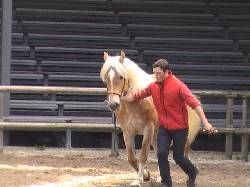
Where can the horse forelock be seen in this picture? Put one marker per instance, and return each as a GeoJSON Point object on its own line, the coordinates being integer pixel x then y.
{"type": "Point", "coordinates": [113, 63]}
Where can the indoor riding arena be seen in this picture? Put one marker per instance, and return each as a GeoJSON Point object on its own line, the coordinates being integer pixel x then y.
{"type": "Point", "coordinates": [56, 129]}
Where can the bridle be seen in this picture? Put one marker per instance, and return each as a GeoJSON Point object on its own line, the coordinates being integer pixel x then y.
{"type": "Point", "coordinates": [125, 83]}
{"type": "Point", "coordinates": [122, 93]}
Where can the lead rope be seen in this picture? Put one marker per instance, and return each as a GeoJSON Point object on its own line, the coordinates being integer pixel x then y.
{"type": "Point", "coordinates": [114, 150]}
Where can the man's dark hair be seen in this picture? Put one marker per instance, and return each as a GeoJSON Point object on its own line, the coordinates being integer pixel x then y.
{"type": "Point", "coordinates": [161, 63]}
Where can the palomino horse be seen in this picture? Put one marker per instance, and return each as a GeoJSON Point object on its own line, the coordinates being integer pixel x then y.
{"type": "Point", "coordinates": [121, 75]}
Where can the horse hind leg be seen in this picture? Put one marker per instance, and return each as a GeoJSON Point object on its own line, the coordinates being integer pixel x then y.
{"type": "Point", "coordinates": [194, 128]}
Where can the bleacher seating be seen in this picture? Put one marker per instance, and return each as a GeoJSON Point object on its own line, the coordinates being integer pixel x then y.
{"type": "Point", "coordinates": [22, 78]}
{"type": "Point", "coordinates": [175, 31]}
{"type": "Point", "coordinates": [244, 46]}
{"type": "Point", "coordinates": [159, 6]}
{"type": "Point", "coordinates": [193, 57]}
{"type": "Point", "coordinates": [239, 33]}
{"type": "Point", "coordinates": [21, 52]}
{"type": "Point", "coordinates": [82, 54]}
{"type": "Point", "coordinates": [229, 20]}
{"type": "Point", "coordinates": [69, 28]}
{"type": "Point", "coordinates": [61, 43]}
{"type": "Point", "coordinates": [17, 39]}
{"type": "Point", "coordinates": [23, 65]}
{"type": "Point", "coordinates": [53, 40]}
{"type": "Point", "coordinates": [166, 19]}
{"type": "Point", "coordinates": [218, 69]}
{"type": "Point", "coordinates": [59, 108]}
{"type": "Point", "coordinates": [230, 8]}
{"type": "Point", "coordinates": [26, 14]}
{"type": "Point", "coordinates": [181, 44]}
{"type": "Point", "coordinates": [63, 4]}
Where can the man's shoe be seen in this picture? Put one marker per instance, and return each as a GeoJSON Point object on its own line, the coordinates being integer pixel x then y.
{"type": "Point", "coordinates": [191, 182]}
{"type": "Point", "coordinates": [196, 170]}
{"type": "Point", "coordinates": [165, 185]}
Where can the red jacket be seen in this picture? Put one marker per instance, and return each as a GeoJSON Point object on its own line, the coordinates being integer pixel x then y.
{"type": "Point", "coordinates": [170, 99]}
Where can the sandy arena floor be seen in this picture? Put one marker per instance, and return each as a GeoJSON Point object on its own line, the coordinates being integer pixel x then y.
{"type": "Point", "coordinates": [21, 167]}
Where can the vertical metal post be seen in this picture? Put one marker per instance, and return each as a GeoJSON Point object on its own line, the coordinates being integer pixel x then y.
{"type": "Point", "coordinates": [6, 53]}
{"type": "Point", "coordinates": [5, 62]}
{"type": "Point", "coordinates": [229, 124]}
{"type": "Point", "coordinates": [245, 137]}
{"type": "Point", "coordinates": [68, 138]}
{"type": "Point", "coordinates": [60, 107]}
{"type": "Point", "coordinates": [1, 139]}
{"type": "Point", "coordinates": [1, 119]}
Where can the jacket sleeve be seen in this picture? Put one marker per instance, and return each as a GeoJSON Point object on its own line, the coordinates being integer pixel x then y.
{"type": "Point", "coordinates": [188, 97]}
{"type": "Point", "coordinates": [140, 94]}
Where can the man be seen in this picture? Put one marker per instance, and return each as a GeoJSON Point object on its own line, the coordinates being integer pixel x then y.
{"type": "Point", "coordinates": [170, 96]}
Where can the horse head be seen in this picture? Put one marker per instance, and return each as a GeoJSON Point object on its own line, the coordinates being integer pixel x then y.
{"type": "Point", "coordinates": [114, 75]}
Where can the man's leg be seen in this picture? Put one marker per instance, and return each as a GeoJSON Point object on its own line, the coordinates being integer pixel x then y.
{"type": "Point", "coordinates": [179, 141]}
{"type": "Point", "coordinates": [163, 142]}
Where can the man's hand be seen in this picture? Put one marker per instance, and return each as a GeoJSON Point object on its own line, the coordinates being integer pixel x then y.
{"type": "Point", "coordinates": [209, 128]}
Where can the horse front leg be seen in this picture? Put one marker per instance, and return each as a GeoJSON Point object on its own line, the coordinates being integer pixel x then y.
{"type": "Point", "coordinates": [143, 174]}
{"type": "Point", "coordinates": [129, 143]}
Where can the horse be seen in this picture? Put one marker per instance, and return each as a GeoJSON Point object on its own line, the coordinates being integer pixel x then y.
{"type": "Point", "coordinates": [121, 76]}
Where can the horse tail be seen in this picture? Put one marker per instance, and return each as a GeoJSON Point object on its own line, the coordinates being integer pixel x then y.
{"type": "Point", "coordinates": [194, 125]}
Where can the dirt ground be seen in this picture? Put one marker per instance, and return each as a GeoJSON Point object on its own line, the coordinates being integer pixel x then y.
{"type": "Point", "coordinates": [21, 167]}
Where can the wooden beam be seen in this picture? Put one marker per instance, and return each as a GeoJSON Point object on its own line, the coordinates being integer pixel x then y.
{"type": "Point", "coordinates": [90, 90]}
{"type": "Point", "coordinates": [232, 131]}
{"type": "Point", "coordinates": [53, 90]}
{"type": "Point", "coordinates": [58, 126]}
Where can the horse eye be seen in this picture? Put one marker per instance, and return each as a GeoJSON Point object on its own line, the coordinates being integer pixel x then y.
{"type": "Point", "coordinates": [121, 77]}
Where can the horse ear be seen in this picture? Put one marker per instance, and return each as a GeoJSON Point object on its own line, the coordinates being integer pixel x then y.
{"type": "Point", "coordinates": [122, 57]}
{"type": "Point", "coordinates": [105, 56]}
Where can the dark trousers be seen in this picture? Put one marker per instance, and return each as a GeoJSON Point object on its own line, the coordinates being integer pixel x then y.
{"type": "Point", "coordinates": [179, 138]}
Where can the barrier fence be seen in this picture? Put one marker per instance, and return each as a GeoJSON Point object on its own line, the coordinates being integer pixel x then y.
{"type": "Point", "coordinates": [228, 130]}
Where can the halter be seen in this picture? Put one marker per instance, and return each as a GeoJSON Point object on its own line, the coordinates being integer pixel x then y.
{"type": "Point", "coordinates": [125, 82]}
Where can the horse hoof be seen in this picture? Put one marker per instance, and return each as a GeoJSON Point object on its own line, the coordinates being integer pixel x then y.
{"type": "Point", "coordinates": [146, 175]}
{"type": "Point", "coordinates": [158, 180]}
{"type": "Point", "coordinates": [136, 183]}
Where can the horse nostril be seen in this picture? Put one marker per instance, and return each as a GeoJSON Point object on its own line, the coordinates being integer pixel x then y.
{"type": "Point", "coordinates": [113, 106]}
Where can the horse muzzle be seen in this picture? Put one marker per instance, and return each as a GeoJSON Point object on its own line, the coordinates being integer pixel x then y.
{"type": "Point", "coordinates": [113, 106]}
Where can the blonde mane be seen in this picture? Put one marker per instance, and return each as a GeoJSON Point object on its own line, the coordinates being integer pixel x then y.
{"type": "Point", "coordinates": [138, 78]}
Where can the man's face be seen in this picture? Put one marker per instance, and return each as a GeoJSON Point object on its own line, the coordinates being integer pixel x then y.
{"type": "Point", "coordinates": [159, 74]}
